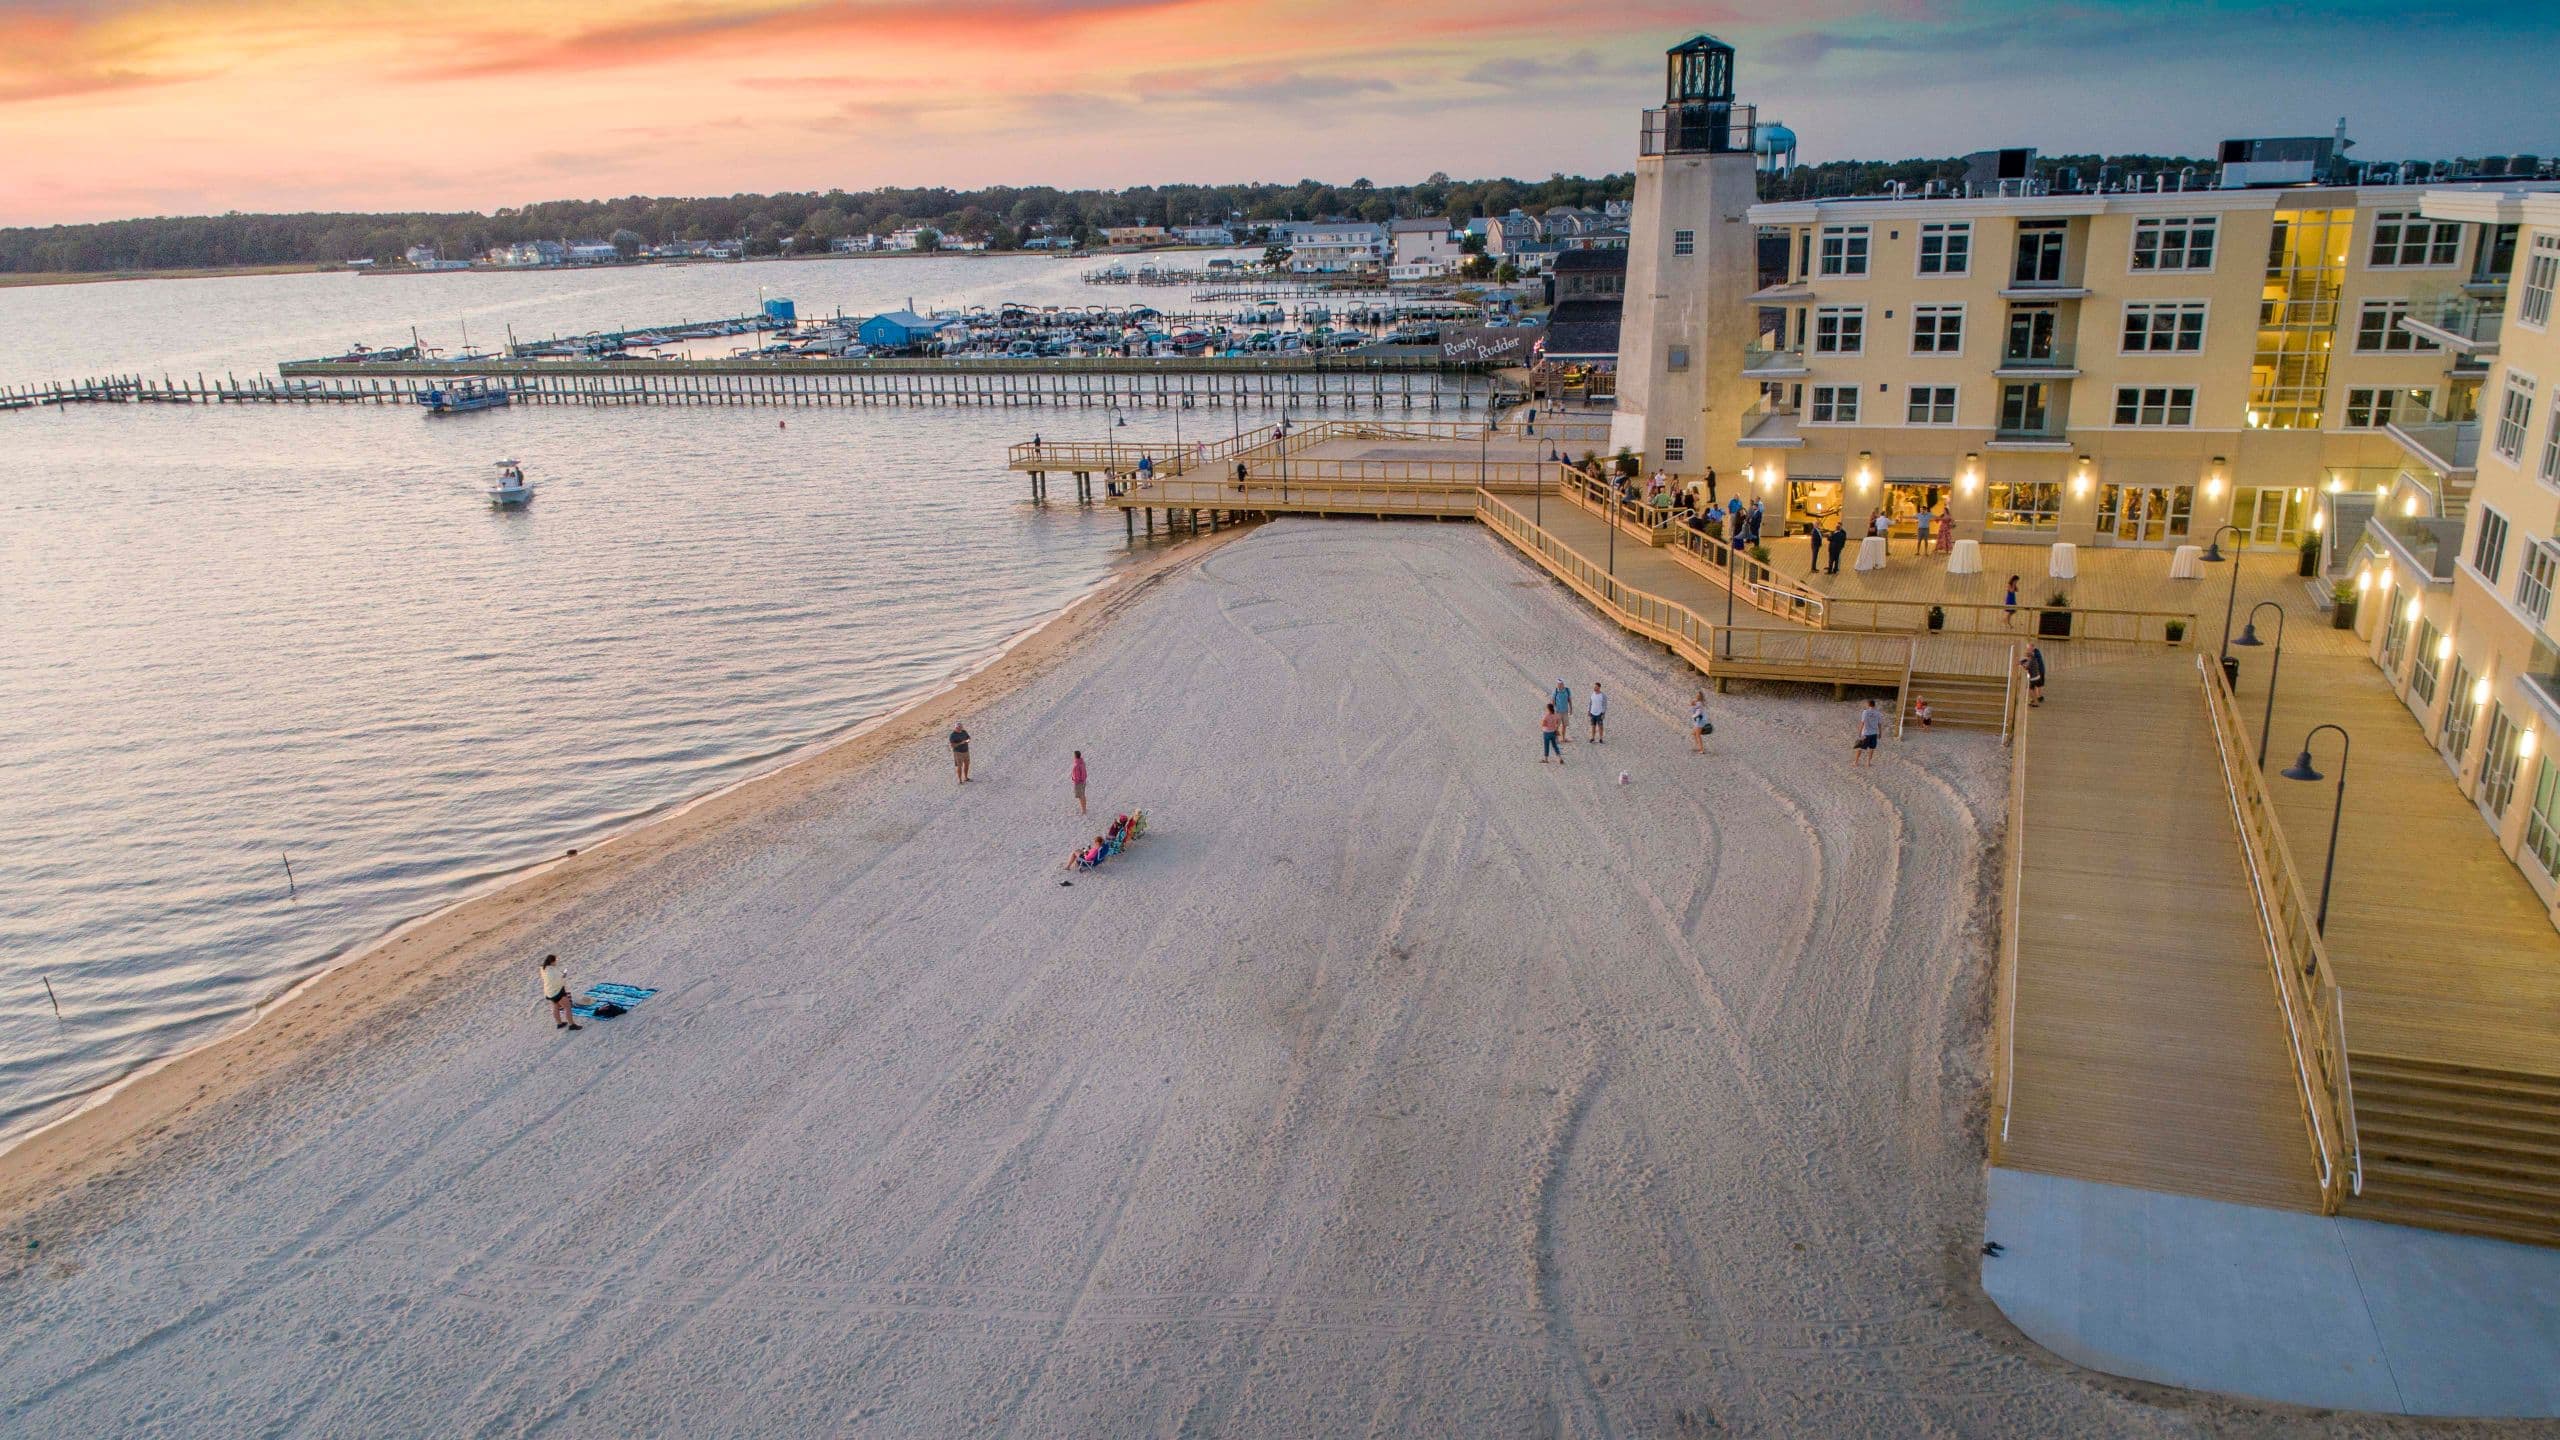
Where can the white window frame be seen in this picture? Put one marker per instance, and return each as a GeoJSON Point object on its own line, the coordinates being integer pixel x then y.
{"type": "Point", "coordinates": [2152, 312]}
{"type": "Point", "coordinates": [1954, 401]}
{"type": "Point", "coordinates": [2548, 471]}
{"type": "Point", "coordinates": [1938, 314]}
{"type": "Point", "coordinates": [1823, 405]}
{"type": "Point", "coordinates": [2536, 578]}
{"type": "Point", "coordinates": [2542, 826]}
{"type": "Point", "coordinates": [2432, 235]}
{"type": "Point", "coordinates": [2501, 756]}
{"type": "Point", "coordinates": [2395, 340]}
{"type": "Point", "coordinates": [2489, 547]}
{"type": "Point", "coordinates": [1860, 238]}
{"type": "Point", "coordinates": [2461, 717]}
{"type": "Point", "coordinates": [1944, 231]}
{"type": "Point", "coordinates": [2190, 227]}
{"type": "Point", "coordinates": [1844, 318]}
{"type": "Point", "coordinates": [2541, 278]}
{"type": "Point", "coordinates": [2382, 403]}
{"type": "Point", "coordinates": [1684, 242]}
{"type": "Point", "coordinates": [2168, 405]}
{"type": "Point", "coordinates": [2515, 417]}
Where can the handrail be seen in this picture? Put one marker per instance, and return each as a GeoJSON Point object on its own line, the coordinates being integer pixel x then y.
{"type": "Point", "coordinates": [1966, 617]}
{"type": "Point", "coordinates": [2315, 1013]}
{"type": "Point", "coordinates": [2013, 883]}
{"type": "Point", "coordinates": [1704, 553]}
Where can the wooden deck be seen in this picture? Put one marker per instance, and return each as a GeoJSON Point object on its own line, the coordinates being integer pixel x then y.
{"type": "Point", "coordinates": [2150, 1048]}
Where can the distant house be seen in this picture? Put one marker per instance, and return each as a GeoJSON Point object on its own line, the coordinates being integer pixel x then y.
{"type": "Point", "coordinates": [1420, 247]}
{"type": "Point", "coordinates": [692, 250]}
{"type": "Point", "coordinates": [1050, 242]}
{"type": "Point", "coordinates": [419, 254]}
{"type": "Point", "coordinates": [592, 252]}
{"type": "Point", "coordinates": [1204, 234]}
{"type": "Point", "coordinates": [1512, 234]}
{"type": "Point", "coordinates": [1136, 235]}
{"type": "Point", "coordinates": [530, 252]}
{"type": "Point", "coordinates": [900, 330]}
{"type": "Point", "coordinates": [911, 238]}
{"type": "Point", "coordinates": [1335, 247]}
{"type": "Point", "coordinates": [854, 244]}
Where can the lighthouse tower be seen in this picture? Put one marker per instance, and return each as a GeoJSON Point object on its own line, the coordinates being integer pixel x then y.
{"type": "Point", "coordinates": [1692, 263]}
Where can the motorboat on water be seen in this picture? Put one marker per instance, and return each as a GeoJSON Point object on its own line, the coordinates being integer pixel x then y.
{"type": "Point", "coordinates": [513, 491]}
{"type": "Point", "coordinates": [455, 397]}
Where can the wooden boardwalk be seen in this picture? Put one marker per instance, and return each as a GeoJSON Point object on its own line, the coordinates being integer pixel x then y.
{"type": "Point", "coordinates": [2150, 1048]}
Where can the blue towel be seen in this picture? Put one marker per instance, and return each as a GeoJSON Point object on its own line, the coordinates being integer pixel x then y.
{"type": "Point", "coordinates": [626, 996]}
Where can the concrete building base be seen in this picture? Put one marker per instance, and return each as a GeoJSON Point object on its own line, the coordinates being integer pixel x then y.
{"type": "Point", "coordinates": [2275, 1305]}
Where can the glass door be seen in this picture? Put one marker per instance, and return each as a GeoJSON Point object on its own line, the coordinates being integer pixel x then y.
{"type": "Point", "coordinates": [2145, 514]}
{"type": "Point", "coordinates": [2273, 517]}
{"type": "Point", "coordinates": [2039, 252]}
{"type": "Point", "coordinates": [2031, 330]}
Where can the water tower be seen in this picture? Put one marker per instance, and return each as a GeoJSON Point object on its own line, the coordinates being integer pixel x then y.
{"type": "Point", "coordinates": [1692, 263]}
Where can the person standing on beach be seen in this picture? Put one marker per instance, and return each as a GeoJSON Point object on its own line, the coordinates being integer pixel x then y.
{"type": "Point", "coordinates": [1698, 726]}
{"type": "Point", "coordinates": [1075, 777]}
{"type": "Point", "coordinates": [1870, 731]}
{"type": "Point", "coordinates": [1599, 713]}
{"type": "Point", "coordinates": [555, 990]}
{"type": "Point", "coordinates": [1562, 700]}
{"type": "Point", "coordinates": [1550, 726]}
{"type": "Point", "coordinates": [960, 750]}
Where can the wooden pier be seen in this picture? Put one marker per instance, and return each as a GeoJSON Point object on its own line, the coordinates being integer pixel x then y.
{"type": "Point", "coordinates": [1376, 384]}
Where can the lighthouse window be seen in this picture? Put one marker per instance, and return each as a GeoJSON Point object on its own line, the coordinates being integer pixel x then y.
{"type": "Point", "coordinates": [1684, 242]}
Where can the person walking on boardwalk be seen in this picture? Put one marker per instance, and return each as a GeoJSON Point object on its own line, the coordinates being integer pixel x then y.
{"type": "Point", "coordinates": [1599, 714]}
{"type": "Point", "coordinates": [1550, 727]}
{"type": "Point", "coordinates": [1870, 731]}
{"type": "Point", "coordinates": [1698, 726]}
{"type": "Point", "coordinates": [1813, 534]}
{"type": "Point", "coordinates": [2009, 603]}
{"type": "Point", "coordinates": [1751, 523]}
{"type": "Point", "coordinates": [960, 750]}
{"type": "Point", "coordinates": [555, 993]}
{"type": "Point", "coordinates": [1075, 777]}
{"type": "Point", "coordinates": [1711, 487]}
{"type": "Point", "coordinates": [1924, 521]}
{"type": "Point", "coordinates": [2034, 666]}
{"type": "Point", "coordinates": [1839, 541]}
{"type": "Point", "coordinates": [1562, 699]}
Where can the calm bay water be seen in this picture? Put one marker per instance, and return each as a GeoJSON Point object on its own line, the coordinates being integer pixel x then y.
{"type": "Point", "coordinates": [230, 633]}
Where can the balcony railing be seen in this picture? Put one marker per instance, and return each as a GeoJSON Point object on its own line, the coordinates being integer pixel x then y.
{"type": "Point", "coordinates": [2440, 441]}
{"type": "Point", "coordinates": [2426, 542]}
{"type": "Point", "coordinates": [2037, 358]}
{"type": "Point", "coordinates": [2047, 433]}
{"type": "Point", "coordinates": [1764, 360]}
{"type": "Point", "coordinates": [2460, 321]}
{"type": "Point", "coordinates": [1700, 129]}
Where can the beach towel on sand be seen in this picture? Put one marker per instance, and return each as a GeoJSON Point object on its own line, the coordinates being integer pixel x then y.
{"type": "Point", "coordinates": [605, 1001]}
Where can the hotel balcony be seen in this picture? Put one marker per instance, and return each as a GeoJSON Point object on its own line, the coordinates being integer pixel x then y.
{"type": "Point", "coordinates": [2018, 289]}
{"type": "Point", "coordinates": [2042, 362]}
{"type": "Point", "coordinates": [1771, 428]}
{"type": "Point", "coordinates": [2461, 324]}
{"type": "Point", "coordinates": [2049, 436]}
{"type": "Point", "coordinates": [1784, 292]}
{"type": "Point", "coordinates": [1761, 362]}
{"type": "Point", "coordinates": [2423, 545]}
{"type": "Point", "coordinates": [2439, 442]}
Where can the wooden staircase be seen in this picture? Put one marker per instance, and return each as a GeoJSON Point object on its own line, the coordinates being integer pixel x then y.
{"type": "Point", "coordinates": [2458, 1147]}
{"type": "Point", "coordinates": [1958, 702]}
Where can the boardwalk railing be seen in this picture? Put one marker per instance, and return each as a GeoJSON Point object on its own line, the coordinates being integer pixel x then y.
{"type": "Point", "coordinates": [2013, 881]}
{"type": "Point", "coordinates": [1123, 455]}
{"type": "Point", "coordinates": [2314, 1008]}
{"type": "Point", "coordinates": [1755, 582]}
{"type": "Point", "coordinates": [1266, 492]}
{"type": "Point", "coordinates": [2132, 627]}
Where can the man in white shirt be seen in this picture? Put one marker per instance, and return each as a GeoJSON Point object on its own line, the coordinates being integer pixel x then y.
{"type": "Point", "coordinates": [1599, 712]}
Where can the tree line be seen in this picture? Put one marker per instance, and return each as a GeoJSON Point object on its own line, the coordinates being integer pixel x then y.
{"type": "Point", "coordinates": [1002, 217]}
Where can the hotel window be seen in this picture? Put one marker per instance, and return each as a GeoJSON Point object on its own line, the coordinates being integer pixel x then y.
{"type": "Point", "coordinates": [1840, 330]}
{"type": "Point", "coordinates": [1933, 404]}
{"type": "Point", "coordinates": [2459, 715]}
{"type": "Point", "coordinates": [2542, 828]}
{"type": "Point", "coordinates": [1947, 249]}
{"type": "Point", "coordinates": [2164, 327]}
{"type": "Point", "coordinates": [2489, 547]}
{"type": "Point", "coordinates": [2156, 405]}
{"type": "Point", "coordinates": [2515, 409]}
{"type": "Point", "coordinates": [2406, 238]}
{"type": "Point", "coordinates": [2373, 409]}
{"type": "Point", "coordinates": [2541, 277]}
{"type": "Point", "coordinates": [1834, 405]}
{"type": "Point", "coordinates": [2498, 763]}
{"type": "Point", "coordinates": [2378, 329]}
{"type": "Point", "coordinates": [2041, 244]}
{"type": "Point", "coordinates": [2026, 507]}
{"type": "Point", "coordinates": [1844, 249]}
{"type": "Point", "coordinates": [2550, 471]}
{"type": "Point", "coordinates": [2026, 410]}
{"type": "Point", "coordinates": [2173, 244]}
{"type": "Point", "coordinates": [2534, 579]}
{"type": "Point", "coordinates": [1937, 329]}
{"type": "Point", "coordinates": [2423, 668]}
{"type": "Point", "coordinates": [1684, 242]}
{"type": "Point", "coordinates": [1675, 448]}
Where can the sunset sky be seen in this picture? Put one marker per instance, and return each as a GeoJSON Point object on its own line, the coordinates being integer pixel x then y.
{"type": "Point", "coordinates": [112, 108]}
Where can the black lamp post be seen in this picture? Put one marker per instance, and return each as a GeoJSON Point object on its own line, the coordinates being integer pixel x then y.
{"type": "Point", "coordinates": [2275, 663]}
{"type": "Point", "coordinates": [2213, 554]}
{"type": "Point", "coordinates": [2301, 769]}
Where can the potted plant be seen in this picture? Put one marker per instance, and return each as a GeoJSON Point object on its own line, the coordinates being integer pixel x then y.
{"type": "Point", "coordinates": [2342, 606]}
{"type": "Point", "coordinates": [1626, 465]}
{"type": "Point", "coordinates": [1760, 552]}
{"type": "Point", "coordinates": [2177, 631]}
{"type": "Point", "coordinates": [2310, 549]}
{"type": "Point", "coordinates": [2053, 622]}
{"type": "Point", "coordinates": [1937, 617]}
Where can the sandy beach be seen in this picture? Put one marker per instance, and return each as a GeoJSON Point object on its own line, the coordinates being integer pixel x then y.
{"type": "Point", "coordinates": [1393, 1084]}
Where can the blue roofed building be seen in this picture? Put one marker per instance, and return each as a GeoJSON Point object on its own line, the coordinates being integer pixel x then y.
{"type": "Point", "coordinates": [900, 330]}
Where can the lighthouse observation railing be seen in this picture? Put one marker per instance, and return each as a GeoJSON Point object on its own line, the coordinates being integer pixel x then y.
{"type": "Point", "coordinates": [1704, 127]}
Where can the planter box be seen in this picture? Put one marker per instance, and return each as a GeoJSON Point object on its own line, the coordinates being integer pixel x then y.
{"type": "Point", "coordinates": [2342, 616]}
{"type": "Point", "coordinates": [2310, 564]}
{"type": "Point", "coordinates": [2053, 624]}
